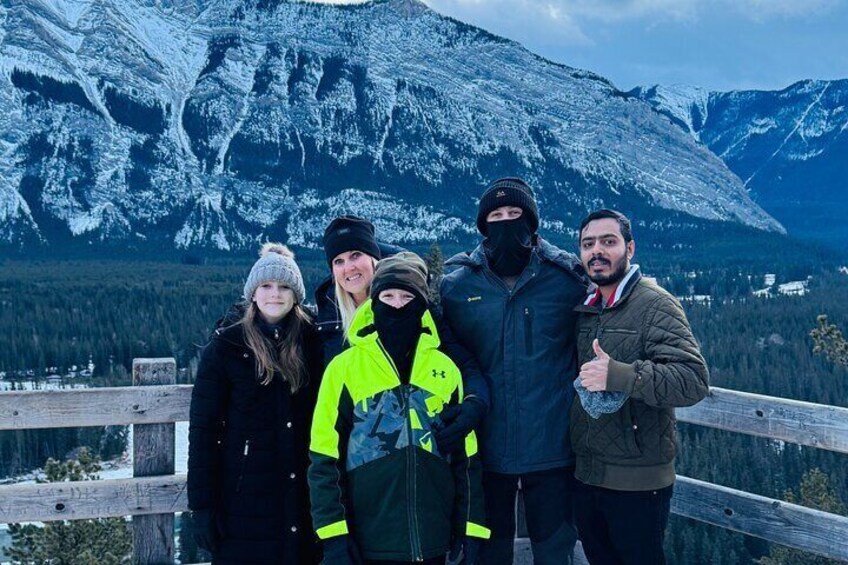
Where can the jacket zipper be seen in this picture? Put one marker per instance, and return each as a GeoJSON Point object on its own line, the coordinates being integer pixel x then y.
{"type": "Point", "coordinates": [243, 464]}
{"type": "Point", "coordinates": [411, 486]}
{"type": "Point", "coordinates": [415, 536]}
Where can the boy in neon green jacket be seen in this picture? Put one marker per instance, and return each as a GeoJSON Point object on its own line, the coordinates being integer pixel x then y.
{"type": "Point", "coordinates": [380, 486]}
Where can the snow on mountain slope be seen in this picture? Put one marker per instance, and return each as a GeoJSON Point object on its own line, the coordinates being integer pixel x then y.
{"type": "Point", "coordinates": [218, 123]}
{"type": "Point", "coordinates": [787, 146]}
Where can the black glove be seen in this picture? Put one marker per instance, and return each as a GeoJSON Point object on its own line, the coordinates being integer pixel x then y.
{"type": "Point", "coordinates": [341, 550]}
{"type": "Point", "coordinates": [471, 547]}
{"type": "Point", "coordinates": [206, 533]}
{"type": "Point", "coordinates": [464, 551]}
{"type": "Point", "coordinates": [456, 423]}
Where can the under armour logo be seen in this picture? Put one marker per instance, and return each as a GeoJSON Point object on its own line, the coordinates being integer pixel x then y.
{"type": "Point", "coordinates": [500, 194]}
{"type": "Point", "coordinates": [439, 374]}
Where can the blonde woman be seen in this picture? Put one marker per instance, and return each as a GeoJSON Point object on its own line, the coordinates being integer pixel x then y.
{"type": "Point", "coordinates": [352, 253]}
{"type": "Point", "coordinates": [251, 411]}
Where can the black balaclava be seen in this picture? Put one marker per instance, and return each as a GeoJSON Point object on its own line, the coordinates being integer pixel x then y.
{"type": "Point", "coordinates": [399, 330]}
{"type": "Point", "coordinates": [508, 246]}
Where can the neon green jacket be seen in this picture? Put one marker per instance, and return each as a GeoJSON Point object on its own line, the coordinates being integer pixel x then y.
{"type": "Point", "coordinates": [377, 472]}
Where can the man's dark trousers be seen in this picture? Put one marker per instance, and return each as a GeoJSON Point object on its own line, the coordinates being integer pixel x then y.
{"type": "Point", "coordinates": [622, 527]}
{"type": "Point", "coordinates": [549, 513]}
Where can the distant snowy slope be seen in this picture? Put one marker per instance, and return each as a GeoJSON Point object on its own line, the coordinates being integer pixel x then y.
{"type": "Point", "coordinates": [789, 147]}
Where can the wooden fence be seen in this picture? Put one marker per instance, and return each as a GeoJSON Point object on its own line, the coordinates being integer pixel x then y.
{"type": "Point", "coordinates": [155, 493]}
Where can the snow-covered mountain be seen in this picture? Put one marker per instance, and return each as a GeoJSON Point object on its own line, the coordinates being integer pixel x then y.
{"type": "Point", "coordinates": [789, 147]}
{"type": "Point", "coordinates": [217, 122]}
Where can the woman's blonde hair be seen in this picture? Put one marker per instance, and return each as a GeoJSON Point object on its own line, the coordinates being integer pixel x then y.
{"type": "Point", "coordinates": [287, 359]}
{"type": "Point", "coordinates": [344, 301]}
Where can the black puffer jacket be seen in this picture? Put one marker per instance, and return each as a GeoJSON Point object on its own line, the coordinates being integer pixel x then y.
{"type": "Point", "coordinates": [248, 453]}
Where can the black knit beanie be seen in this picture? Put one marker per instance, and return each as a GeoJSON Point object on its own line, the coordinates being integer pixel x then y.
{"type": "Point", "coordinates": [508, 191]}
{"type": "Point", "coordinates": [350, 233]}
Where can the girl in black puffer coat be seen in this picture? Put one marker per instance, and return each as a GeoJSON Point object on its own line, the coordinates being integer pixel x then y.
{"type": "Point", "coordinates": [251, 412]}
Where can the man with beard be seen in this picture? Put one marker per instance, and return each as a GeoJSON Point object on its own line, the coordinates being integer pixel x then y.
{"type": "Point", "coordinates": [511, 303]}
{"type": "Point", "coordinates": [639, 361]}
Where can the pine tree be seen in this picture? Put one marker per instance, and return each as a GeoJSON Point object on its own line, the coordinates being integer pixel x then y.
{"type": "Point", "coordinates": [103, 541]}
{"type": "Point", "coordinates": [436, 265]}
{"type": "Point", "coordinates": [828, 341]}
{"type": "Point", "coordinates": [815, 492]}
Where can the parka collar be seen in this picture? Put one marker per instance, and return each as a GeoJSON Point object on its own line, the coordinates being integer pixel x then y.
{"type": "Point", "coordinates": [622, 292]}
{"type": "Point", "coordinates": [231, 337]}
{"type": "Point", "coordinates": [569, 262]}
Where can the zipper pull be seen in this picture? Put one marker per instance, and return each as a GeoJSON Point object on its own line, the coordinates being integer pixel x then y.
{"type": "Point", "coordinates": [276, 333]}
{"type": "Point", "coordinates": [246, 447]}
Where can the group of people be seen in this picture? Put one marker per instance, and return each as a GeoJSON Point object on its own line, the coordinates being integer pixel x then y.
{"type": "Point", "coordinates": [396, 427]}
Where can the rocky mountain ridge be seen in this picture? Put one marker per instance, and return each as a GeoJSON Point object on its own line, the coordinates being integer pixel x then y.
{"type": "Point", "coordinates": [217, 123]}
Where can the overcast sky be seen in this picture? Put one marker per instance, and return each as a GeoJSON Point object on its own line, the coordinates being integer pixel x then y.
{"type": "Point", "coordinates": [716, 44]}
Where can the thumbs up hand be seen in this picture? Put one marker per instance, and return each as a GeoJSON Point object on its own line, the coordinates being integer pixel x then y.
{"type": "Point", "coordinates": [593, 375]}
{"type": "Point", "coordinates": [599, 353]}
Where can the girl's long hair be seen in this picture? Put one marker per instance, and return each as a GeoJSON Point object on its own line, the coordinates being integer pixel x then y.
{"type": "Point", "coordinates": [344, 300]}
{"type": "Point", "coordinates": [288, 359]}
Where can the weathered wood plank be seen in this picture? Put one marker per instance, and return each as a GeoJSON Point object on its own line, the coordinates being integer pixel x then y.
{"type": "Point", "coordinates": [153, 454]}
{"type": "Point", "coordinates": [24, 410]}
{"type": "Point", "coordinates": [780, 522]}
{"type": "Point", "coordinates": [804, 423]}
{"type": "Point", "coordinates": [92, 499]}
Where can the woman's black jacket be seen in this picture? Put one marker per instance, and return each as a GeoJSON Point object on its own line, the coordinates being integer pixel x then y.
{"type": "Point", "coordinates": [248, 453]}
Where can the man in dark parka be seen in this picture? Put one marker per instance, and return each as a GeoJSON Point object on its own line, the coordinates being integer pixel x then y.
{"type": "Point", "coordinates": [511, 303]}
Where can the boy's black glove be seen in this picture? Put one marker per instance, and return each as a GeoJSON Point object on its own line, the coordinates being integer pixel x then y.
{"type": "Point", "coordinates": [455, 422]}
{"type": "Point", "coordinates": [464, 551]}
{"type": "Point", "coordinates": [341, 550]}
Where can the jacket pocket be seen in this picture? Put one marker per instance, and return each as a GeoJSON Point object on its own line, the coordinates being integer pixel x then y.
{"type": "Point", "coordinates": [620, 331]}
{"type": "Point", "coordinates": [612, 437]}
{"type": "Point", "coordinates": [630, 429]}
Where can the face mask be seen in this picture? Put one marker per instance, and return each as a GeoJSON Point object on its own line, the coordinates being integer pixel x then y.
{"type": "Point", "coordinates": [508, 246]}
{"type": "Point", "coordinates": [399, 330]}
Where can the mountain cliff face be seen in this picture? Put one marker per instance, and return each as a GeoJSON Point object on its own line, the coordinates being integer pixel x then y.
{"type": "Point", "coordinates": [789, 147]}
{"type": "Point", "coordinates": [217, 123]}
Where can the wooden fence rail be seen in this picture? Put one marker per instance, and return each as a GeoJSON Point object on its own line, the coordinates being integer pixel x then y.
{"type": "Point", "coordinates": [793, 421]}
{"type": "Point", "coordinates": [153, 500]}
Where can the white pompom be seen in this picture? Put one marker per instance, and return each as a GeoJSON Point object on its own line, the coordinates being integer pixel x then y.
{"type": "Point", "coordinates": [278, 248]}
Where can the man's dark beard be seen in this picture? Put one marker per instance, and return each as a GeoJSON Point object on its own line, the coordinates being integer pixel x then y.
{"type": "Point", "coordinates": [618, 273]}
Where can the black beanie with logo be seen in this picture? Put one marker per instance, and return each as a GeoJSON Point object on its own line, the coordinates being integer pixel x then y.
{"type": "Point", "coordinates": [508, 191]}
{"type": "Point", "coordinates": [350, 233]}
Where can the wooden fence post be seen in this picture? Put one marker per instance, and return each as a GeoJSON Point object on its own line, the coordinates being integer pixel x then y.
{"type": "Point", "coordinates": [153, 454]}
